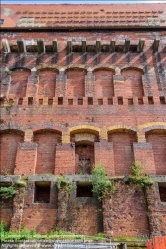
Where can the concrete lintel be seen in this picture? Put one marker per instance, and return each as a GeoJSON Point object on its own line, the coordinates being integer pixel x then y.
{"type": "Point", "coordinates": [6, 46]}
{"type": "Point", "coordinates": [69, 45]}
{"type": "Point", "coordinates": [141, 44]}
{"type": "Point", "coordinates": [112, 45]}
{"type": "Point", "coordinates": [55, 46]}
{"type": "Point", "coordinates": [98, 45]}
{"type": "Point", "coordinates": [9, 179]}
{"type": "Point", "coordinates": [21, 46]}
{"type": "Point", "coordinates": [83, 45]}
{"type": "Point", "coordinates": [41, 45]}
{"type": "Point", "coordinates": [126, 45]}
{"type": "Point", "coordinates": [156, 44]}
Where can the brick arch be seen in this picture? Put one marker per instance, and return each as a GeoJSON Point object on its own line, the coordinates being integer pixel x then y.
{"type": "Point", "coordinates": [9, 140]}
{"type": "Point", "coordinates": [106, 66]}
{"type": "Point", "coordinates": [47, 82]}
{"type": "Point", "coordinates": [75, 81]}
{"type": "Point", "coordinates": [104, 82]}
{"type": "Point", "coordinates": [40, 127]}
{"type": "Point", "coordinates": [157, 138]}
{"type": "Point", "coordinates": [122, 138]}
{"type": "Point", "coordinates": [19, 80]}
{"type": "Point", "coordinates": [12, 126]}
{"type": "Point", "coordinates": [84, 128]}
{"type": "Point", "coordinates": [152, 126]}
{"type": "Point", "coordinates": [47, 139]}
{"type": "Point", "coordinates": [133, 81]}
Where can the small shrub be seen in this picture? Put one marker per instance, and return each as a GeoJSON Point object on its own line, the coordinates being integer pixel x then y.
{"type": "Point", "coordinates": [102, 185]}
{"type": "Point", "coordinates": [21, 183]}
{"type": "Point", "coordinates": [7, 192]}
{"type": "Point", "coordinates": [139, 178]}
{"type": "Point", "coordinates": [62, 182]}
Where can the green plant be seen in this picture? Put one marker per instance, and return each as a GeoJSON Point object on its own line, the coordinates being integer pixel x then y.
{"type": "Point", "coordinates": [9, 72]}
{"type": "Point", "coordinates": [140, 178]}
{"type": "Point", "coordinates": [7, 105]}
{"type": "Point", "coordinates": [21, 183]}
{"type": "Point", "coordinates": [102, 185]}
{"type": "Point", "coordinates": [62, 182]}
{"type": "Point", "coordinates": [7, 192]}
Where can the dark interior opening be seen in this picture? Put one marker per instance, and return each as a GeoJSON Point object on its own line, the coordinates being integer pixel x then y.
{"type": "Point", "coordinates": [42, 192]}
{"type": "Point", "coordinates": [162, 192]}
{"type": "Point", "coordinates": [84, 190]}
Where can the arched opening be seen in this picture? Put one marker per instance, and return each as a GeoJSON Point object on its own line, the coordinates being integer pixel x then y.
{"type": "Point", "coordinates": [46, 150]}
{"type": "Point", "coordinates": [47, 82]}
{"type": "Point", "coordinates": [158, 140]}
{"type": "Point", "coordinates": [76, 82]}
{"type": "Point", "coordinates": [123, 150]}
{"type": "Point", "coordinates": [133, 82]}
{"type": "Point", "coordinates": [19, 80]}
{"type": "Point", "coordinates": [9, 140]}
{"type": "Point", "coordinates": [104, 82]}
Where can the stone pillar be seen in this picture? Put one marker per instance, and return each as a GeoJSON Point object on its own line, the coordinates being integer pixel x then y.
{"type": "Point", "coordinates": [26, 155]}
{"type": "Point", "coordinates": [32, 85]}
{"type": "Point", "coordinates": [143, 154]}
{"type": "Point", "coordinates": [62, 214]}
{"type": "Point", "coordinates": [5, 82]}
{"type": "Point", "coordinates": [90, 84]}
{"type": "Point", "coordinates": [65, 159]}
{"type": "Point", "coordinates": [153, 211]}
{"type": "Point", "coordinates": [61, 84]}
{"type": "Point", "coordinates": [18, 206]}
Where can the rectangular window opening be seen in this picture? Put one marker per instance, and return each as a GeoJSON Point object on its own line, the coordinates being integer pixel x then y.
{"type": "Point", "coordinates": [1, 101]}
{"type": "Point", "coordinates": [120, 101]}
{"type": "Point", "coordinates": [100, 101]}
{"type": "Point", "coordinates": [162, 101]}
{"type": "Point", "coordinates": [84, 189]}
{"type": "Point", "coordinates": [30, 100]}
{"type": "Point", "coordinates": [162, 191]}
{"type": "Point", "coordinates": [80, 101]}
{"type": "Point", "coordinates": [40, 101]}
{"type": "Point", "coordinates": [150, 101]}
{"type": "Point", "coordinates": [90, 101]}
{"type": "Point", "coordinates": [140, 101]}
{"type": "Point", "coordinates": [110, 101]}
{"type": "Point", "coordinates": [130, 101]}
{"type": "Point", "coordinates": [20, 101]}
{"type": "Point", "coordinates": [42, 192]}
{"type": "Point", "coordinates": [60, 101]}
{"type": "Point", "coordinates": [70, 101]}
{"type": "Point", "coordinates": [50, 101]}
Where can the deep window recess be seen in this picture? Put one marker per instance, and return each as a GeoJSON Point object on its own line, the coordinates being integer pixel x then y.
{"type": "Point", "coordinates": [162, 191]}
{"type": "Point", "coordinates": [42, 192]}
{"type": "Point", "coordinates": [84, 189]}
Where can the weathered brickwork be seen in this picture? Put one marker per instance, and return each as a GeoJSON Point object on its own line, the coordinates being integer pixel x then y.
{"type": "Point", "coordinates": [80, 94]}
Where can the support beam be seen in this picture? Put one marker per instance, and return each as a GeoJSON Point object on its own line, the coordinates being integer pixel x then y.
{"type": "Point", "coordinates": [126, 45]}
{"type": "Point", "coordinates": [41, 46]}
{"type": "Point", "coordinates": [112, 45]}
{"type": "Point", "coordinates": [141, 44]}
{"type": "Point", "coordinates": [156, 44]}
{"type": "Point", "coordinates": [6, 46]}
{"type": "Point", "coordinates": [21, 46]}
{"type": "Point", "coordinates": [98, 45]}
{"type": "Point", "coordinates": [83, 45]}
{"type": "Point", "coordinates": [55, 46]}
{"type": "Point", "coordinates": [69, 45]}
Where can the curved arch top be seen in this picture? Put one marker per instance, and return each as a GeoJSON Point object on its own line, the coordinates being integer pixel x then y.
{"type": "Point", "coordinates": [135, 67]}
{"type": "Point", "coordinates": [152, 126]}
{"type": "Point", "coordinates": [84, 128]}
{"type": "Point", "coordinates": [121, 128]}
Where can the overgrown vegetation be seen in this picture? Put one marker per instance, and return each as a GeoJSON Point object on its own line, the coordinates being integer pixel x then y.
{"type": "Point", "coordinates": [63, 182]}
{"type": "Point", "coordinates": [102, 185]}
{"type": "Point", "coordinates": [140, 178]}
{"type": "Point", "coordinates": [9, 72]}
{"type": "Point", "coordinates": [25, 234]}
{"type": "Point", "coordinates": [8, 192]}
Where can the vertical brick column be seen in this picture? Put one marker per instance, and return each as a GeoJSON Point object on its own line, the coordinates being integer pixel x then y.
{"type": "Point", "coordinates": [90, 84]}
{"type": "Point", "coordinates": [153, 208]}
{"type": "Point", "coordinates": [61, 84]}
{"type": "Point", "coordinates": [5, 82]}
{"type": "Point", "coordinates": [104, 153]}
{"type": "Point", "coordinates": [65, 156]}
{"type": "Point", "coordinates": [62, 216]}
{"type": "Point", "coordinates": [143, 154]}
{"type": "Point", "coordinates": [150, 85]}
{"type": "Point", "coordinates": [32, 85]}
{"type": "Point", "coordinates": [26, 155]}
{"type": "Point", "coordinates": [18, 206]}
{"type": "Point", "coordinates": [118, 82]}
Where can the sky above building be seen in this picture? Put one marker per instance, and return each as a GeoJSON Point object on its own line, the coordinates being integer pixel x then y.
{"type": "Point", "coordinates": [79, 2]}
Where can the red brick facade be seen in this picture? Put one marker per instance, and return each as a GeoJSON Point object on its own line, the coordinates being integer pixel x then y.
{"type": "Point", "coordinates": [80, 86]}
